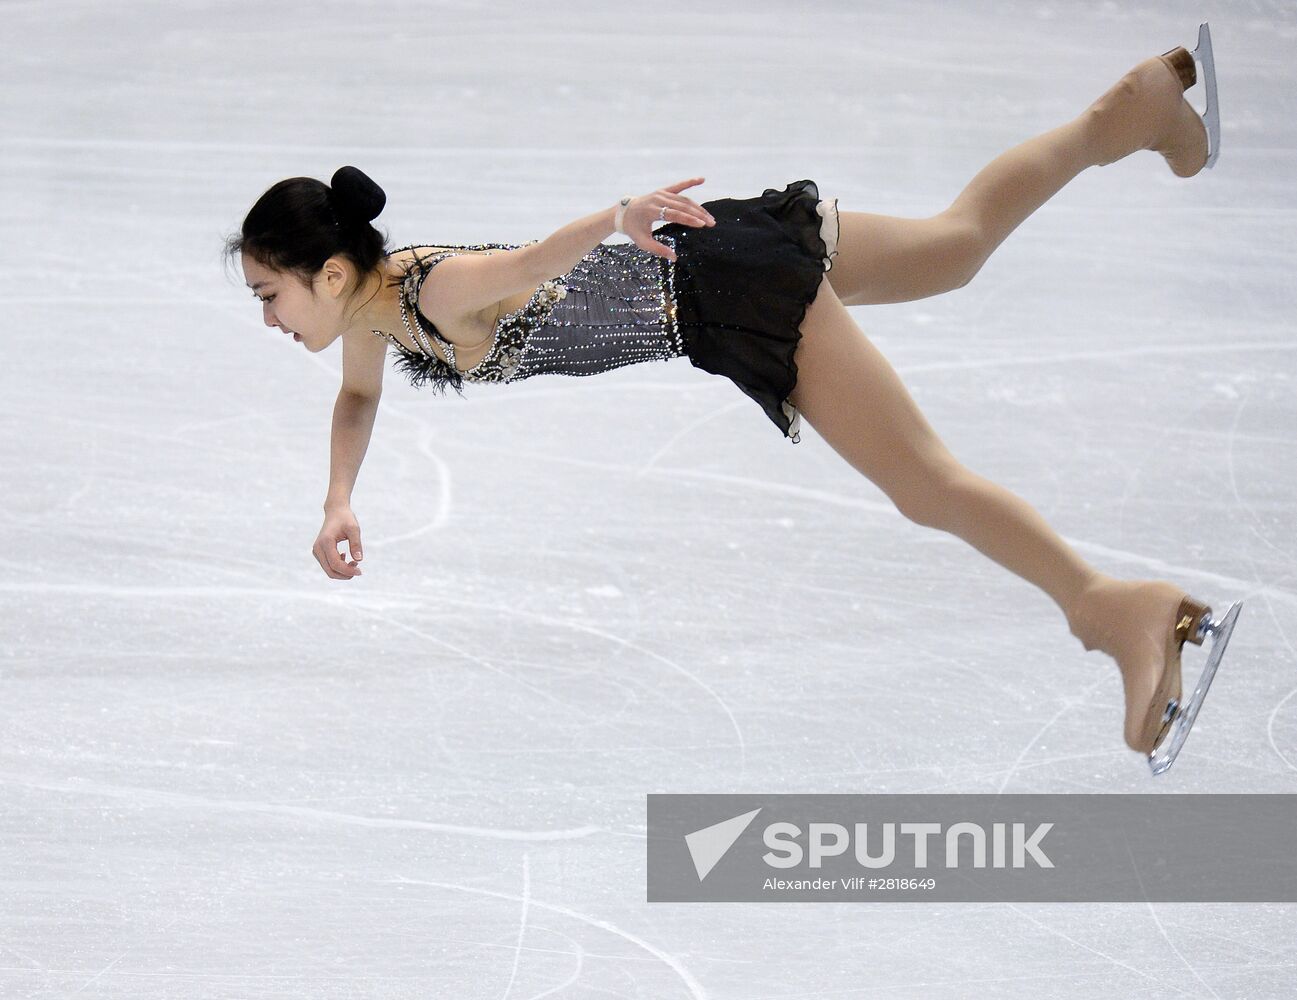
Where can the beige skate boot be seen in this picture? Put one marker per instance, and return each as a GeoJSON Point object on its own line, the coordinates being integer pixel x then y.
{"type": "Point", "coordinates": [1147, 109]}
{"type": "Point", "coordinates": [1143, 625]}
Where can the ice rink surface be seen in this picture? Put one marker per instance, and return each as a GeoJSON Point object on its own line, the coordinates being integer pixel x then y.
{"type": "Point", "coordinates": [225, 775]}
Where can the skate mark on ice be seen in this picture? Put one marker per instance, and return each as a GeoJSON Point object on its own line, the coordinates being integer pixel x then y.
{"type": "Point", "coordinates": [86, 786]}
{"type": "Point", "coordinates": [1178, 351]}
{"type": "Point", "coordinates": [688, 430]}
{"type": "Point", "coordinates": [1292, 658]}
{"type": "Point", "coordinates": [691, 984]}
{"type": "Point", "coordinates": [1269, 726]}
{"type": "Point", "coordinates": [577, 952]}
{"type": "Point", "coordinates": [1081, 944]}
{"type": "Point", "coordinates": [126, 593]}
{"type": "Point", "coordinates": [126, 951]}
{"type": "Point", "coordinates": [744, 482]}
{"type": "Point", "coordinates": [443, 506]}
{"type": "Point", "coordinates": [1162, 930]}
{"type": "Point", "coordinates": [522, 924]}
{"type": "Point", "coordinates": [610, 637]}
{"type": "Point", "coordinates": [468, 655]}
{"type": "Point", "coordinates": [1068, 706]}
{"type": "Point", "coordinates": [1230, 437]}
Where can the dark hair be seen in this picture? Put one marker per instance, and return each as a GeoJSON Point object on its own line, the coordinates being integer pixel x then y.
{"type": "Point", "coordinates": [301, 222]}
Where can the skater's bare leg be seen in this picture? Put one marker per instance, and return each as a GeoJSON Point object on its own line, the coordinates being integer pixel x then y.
{"type": "Point", "coordinates": [854, 399]}
{"type": "Point", "coordinates": [887, 259]}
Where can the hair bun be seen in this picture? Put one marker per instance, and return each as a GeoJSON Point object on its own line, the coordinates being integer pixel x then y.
{"type": "Point", "coordinates": [354, 195]}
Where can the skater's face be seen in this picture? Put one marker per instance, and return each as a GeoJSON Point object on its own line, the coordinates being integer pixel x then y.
{"type": "Point", "coordinates": [311, 316]}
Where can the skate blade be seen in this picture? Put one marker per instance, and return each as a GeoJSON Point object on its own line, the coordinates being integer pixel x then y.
{"type": "Point", "coordinates": [1163, 756]}
{"type": "Point", "coordinates": [1211, 114]}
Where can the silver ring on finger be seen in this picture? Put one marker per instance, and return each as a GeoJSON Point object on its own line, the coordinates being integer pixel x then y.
{"type": "Point", "coordinates": [662, 215]}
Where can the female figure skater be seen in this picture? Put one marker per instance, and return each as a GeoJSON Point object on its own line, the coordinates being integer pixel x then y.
{"type": "Point", "coordinates": [755, 290]}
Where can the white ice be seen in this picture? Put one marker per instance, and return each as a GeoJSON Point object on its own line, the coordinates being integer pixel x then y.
{"type": "Point", "coordinates": [225, 775]}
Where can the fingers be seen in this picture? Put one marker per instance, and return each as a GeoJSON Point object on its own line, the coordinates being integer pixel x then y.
{"type": "Point", "coordinates": [654, 247]}
{"type": "Point", "coordinates": [339, 526]}
{"type": "Point", "coordinates": [681, 185]}
{"type": "Point", "coordinates": [684, 211]}
{"type": "Point", "coordinates": [333, 563]}
{"type": "Point", "coordinates": [687, 217]}
{"type": "Point", "coordinates": [667, 202]}
{"type": "Point", "coordinates": [691, 211]}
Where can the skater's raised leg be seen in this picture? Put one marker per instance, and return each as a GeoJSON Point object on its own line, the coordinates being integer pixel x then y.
{"type": "Point", "coordinates": [887, 259]}
{"type": "Point", "coordinates": [854, 399]}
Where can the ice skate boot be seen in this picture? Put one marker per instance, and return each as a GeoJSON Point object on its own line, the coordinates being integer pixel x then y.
{"type": "Point", "coordinates": [1143, 625]}
{"type": "Point", "coordinates": [1147, 109]}
{"type": "Point", "coordinates": [1194, 624]}
{"type": "Point", "coordinates": [1183, 64]}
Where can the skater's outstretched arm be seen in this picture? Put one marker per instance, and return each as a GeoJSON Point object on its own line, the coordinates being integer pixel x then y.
{"type": "Point", "coordinates": [466, 285]}
{"type": "Point", "coordinates": [561, 251]}
{"type": "Point", "coordinates": [353, 423]}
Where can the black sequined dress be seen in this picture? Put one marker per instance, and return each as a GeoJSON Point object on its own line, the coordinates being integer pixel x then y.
{"type": "Point", "coordinates": [732, 302]}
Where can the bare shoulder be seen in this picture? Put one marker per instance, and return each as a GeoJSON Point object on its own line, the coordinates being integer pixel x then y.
{"type": "Point", "coordinates": [466, 290]}
{"type": "Point", "coordinates": [364, 357]}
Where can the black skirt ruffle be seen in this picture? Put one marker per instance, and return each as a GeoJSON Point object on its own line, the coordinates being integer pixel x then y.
{"type": "Point", "coordinates": [742, 288]}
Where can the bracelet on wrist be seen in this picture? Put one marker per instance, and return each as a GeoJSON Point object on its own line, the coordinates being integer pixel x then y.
{"type": "Point", "coordinates": [621, 214]}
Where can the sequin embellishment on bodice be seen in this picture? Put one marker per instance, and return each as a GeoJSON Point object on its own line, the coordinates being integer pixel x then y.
{"type": "Point", "coordinates": [616, 307]}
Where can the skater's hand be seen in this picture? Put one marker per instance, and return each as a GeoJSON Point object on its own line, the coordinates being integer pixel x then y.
{"type": "Point", "coordinates": [646, 209]}
{"type": "Point", "coordinates": [339, 525]}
